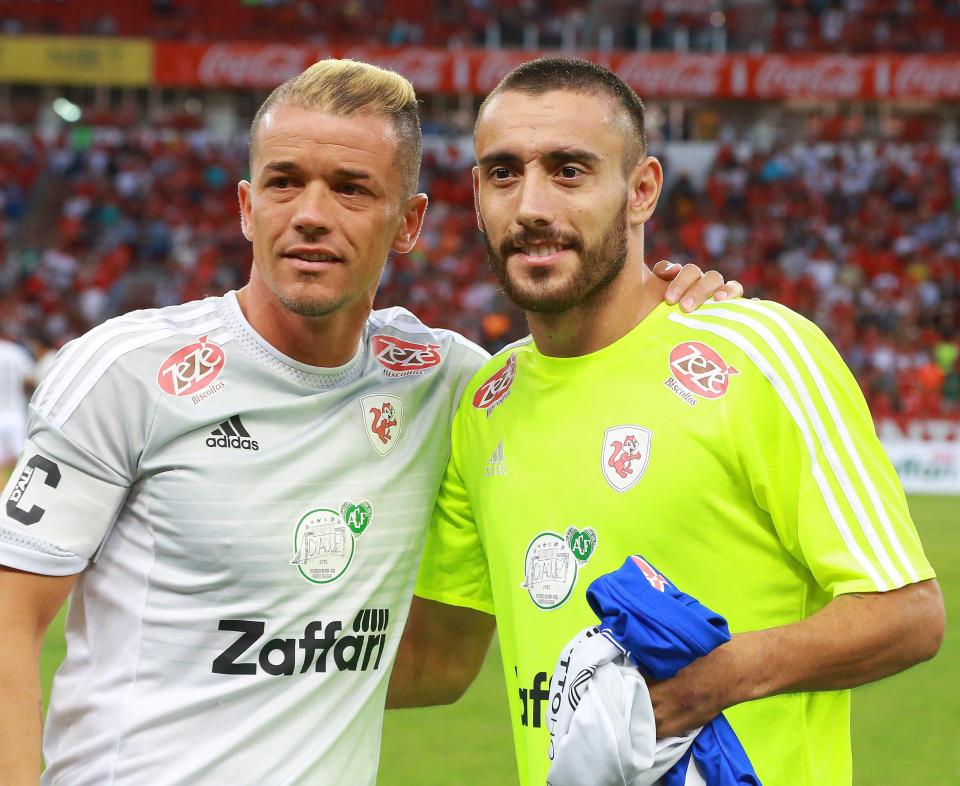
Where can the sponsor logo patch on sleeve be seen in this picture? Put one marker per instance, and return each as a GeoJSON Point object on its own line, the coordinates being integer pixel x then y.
{"type": "Point", "coordinates": [698, 371]}
{"type": "Point", "coordinates": [191, 368]}
{"type": "Point", "coordinates": [492, 392]}
{"type": "Point", "coordinates": [401, 358]}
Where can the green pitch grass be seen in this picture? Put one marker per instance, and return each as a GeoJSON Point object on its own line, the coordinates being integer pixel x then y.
{"type": "Point", "coordinates": [904, 728]}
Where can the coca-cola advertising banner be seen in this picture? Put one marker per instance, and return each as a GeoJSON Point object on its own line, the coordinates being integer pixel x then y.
{"type": "Point", "coordinates": [658, 75]}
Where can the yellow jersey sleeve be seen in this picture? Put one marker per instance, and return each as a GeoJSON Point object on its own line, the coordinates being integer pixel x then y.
{"type": "Point", "coordinates": [814, 458]}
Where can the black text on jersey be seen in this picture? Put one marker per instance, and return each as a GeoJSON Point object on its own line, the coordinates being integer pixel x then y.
{"type": "Point", "coordinates": [358, 650]}
{"type": "Point", "coordinates": [232, 434]}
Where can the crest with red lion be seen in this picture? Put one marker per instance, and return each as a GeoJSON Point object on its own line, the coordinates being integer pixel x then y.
{"type": "Point", "coordinates": [626, 453]}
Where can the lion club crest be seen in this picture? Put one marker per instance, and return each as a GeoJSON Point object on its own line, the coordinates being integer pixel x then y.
{"type": "Point", "coordinates": [382, 420]}
{"type": "Point", "coordinates": [626, 452]}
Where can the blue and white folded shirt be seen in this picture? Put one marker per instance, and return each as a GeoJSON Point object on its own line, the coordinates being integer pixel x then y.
{"type": "Point", "coordinates": [602, 728]}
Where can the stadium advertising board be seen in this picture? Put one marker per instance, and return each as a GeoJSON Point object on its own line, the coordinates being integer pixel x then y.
{"type": "Point", "coordinates": [69, 60]}
{"type": "Point", "coordinates": [926, 467]}
{"type": "Point", "coordinates": [653, 75]}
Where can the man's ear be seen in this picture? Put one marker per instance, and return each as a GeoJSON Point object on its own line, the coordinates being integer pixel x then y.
{"type": "Point", "coordinates": [414, 210]}
{"type": "Point", "coordinates": [644, 184]}
{"type": "Point", "coordinates": [476, 198]}
{"type": "Point", "coordinates": [243, 193]}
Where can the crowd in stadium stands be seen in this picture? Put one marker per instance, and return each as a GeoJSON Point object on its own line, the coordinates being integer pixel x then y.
{"type": "Point", "coordinates": [864, 238]}
{"type": "Point", "coordinates": [696, 25]}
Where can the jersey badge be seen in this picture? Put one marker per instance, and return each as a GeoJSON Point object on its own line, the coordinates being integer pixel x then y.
{"type": "Point", "coordinates": [625, 455]}
{"type": "Point", "coordinates": [382, 420]}
{"type": "Point", "coordinates": [324, 540]}
{"type": "Point", "coordinates": [552, 562]}
{"type": "Point", "coordinates": [493, 392]}
{"type": "Point", "coordinates": [401, 358]}
{"type": "Point", "coordinates": [697, 371]}
{"type": "Point", "coordinates": [192, 370]}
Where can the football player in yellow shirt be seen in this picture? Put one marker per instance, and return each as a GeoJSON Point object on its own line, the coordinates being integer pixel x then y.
{"type": "Point", "coordinates": [731, 447]}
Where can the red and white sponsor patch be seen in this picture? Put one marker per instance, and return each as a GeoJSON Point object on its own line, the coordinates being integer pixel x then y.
{"type": "Point", "coordinates": [496, 389]}
{"type": "Point", "coordinates": [700, 369]}
{"type": "Point", "coordinates": [191, 368]}
{"type": "Point", "coordinates": [657, 581]}
{"type": "Point", "coordinates": [400, 357]}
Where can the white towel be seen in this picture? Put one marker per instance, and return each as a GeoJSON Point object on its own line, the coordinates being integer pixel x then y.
{"type": "Point", "coordinates": [602, 729]}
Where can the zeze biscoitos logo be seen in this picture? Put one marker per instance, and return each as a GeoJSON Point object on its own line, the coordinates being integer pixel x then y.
{"type": "Point", "coordinates": [191, 368]}
{"type": "Point", "coordinates": [401, 358]}
{"type": "Point", "coordinates": [698, 370]}
{"type": "Point", "coordinates": [492, 392]}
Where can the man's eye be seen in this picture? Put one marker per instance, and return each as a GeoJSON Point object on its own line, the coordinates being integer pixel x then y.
{"type": "Point", "coordinates": [569, 171]}
{"type": "Point", "coordinates": [280, 182]}
{"type": "Point", "coordinates": [500, 173]}
{"type": "Point", "coordinates": [351, 189]}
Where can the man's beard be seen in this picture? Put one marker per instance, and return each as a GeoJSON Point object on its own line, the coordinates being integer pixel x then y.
{"type": "Point", "coordinates": [600, 264]}
{"type": "Point", "coordinates": [306, 306]}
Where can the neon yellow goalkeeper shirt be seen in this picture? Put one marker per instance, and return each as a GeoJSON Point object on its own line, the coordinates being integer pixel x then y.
{"type": "Point", "coordinates": [730, 447]}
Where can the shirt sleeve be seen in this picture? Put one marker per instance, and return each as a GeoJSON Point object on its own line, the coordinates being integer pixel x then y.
{"type": "Point", "coordinates": [816, 463]}
{"type": "Point", "coordinates": [454, 565]}
{"type": "Point", "coordinates": [75, 471]}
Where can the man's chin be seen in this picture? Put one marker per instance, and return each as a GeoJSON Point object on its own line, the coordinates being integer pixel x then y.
{"type": "Point", "coordinates": [312, 304]}
{"type": "Point", "coordinates": [542, 297]}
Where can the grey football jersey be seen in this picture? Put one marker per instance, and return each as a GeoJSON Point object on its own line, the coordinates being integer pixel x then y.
{"type": "Point", "coordinates": [248, 530]}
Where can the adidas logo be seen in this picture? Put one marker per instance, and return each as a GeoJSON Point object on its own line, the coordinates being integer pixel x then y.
{"type": "Point", "coordinates": [232, 434]}
{"type": "Point", "coordinates": [497, 464]}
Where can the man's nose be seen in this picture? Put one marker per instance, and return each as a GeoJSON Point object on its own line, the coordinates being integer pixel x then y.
{"type": "Point", "coordinates": [535, 209]}
{"type": "Point", "coordinates": [313, 215]}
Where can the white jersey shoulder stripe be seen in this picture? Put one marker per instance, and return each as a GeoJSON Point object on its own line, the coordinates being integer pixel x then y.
{"type": "Point", "coordinates": [66, 371]}
{"type": "Point", "coordinates": [846, 440]}
{"type": "Point", "coordinates": [79, 392]}
{"type": "Point", "coordinates": [793, 408]}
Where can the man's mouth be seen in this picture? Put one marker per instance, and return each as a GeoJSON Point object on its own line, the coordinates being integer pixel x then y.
{"type": "Point", "coordinates": [539, 254]}
{"type": "Point", "coordinates": [316, 257]}
{"type": "Point", "coordinates": [312, 257]}
{"type": "Point", "coordinates": [542, 249]}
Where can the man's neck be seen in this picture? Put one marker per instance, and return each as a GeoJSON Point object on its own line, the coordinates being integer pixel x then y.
{"type": "Point", "coordinates": [327, 342]}
{"type": "Point", "coordinates": [601, 321]}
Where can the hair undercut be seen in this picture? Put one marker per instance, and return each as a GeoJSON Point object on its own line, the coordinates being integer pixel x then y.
{"type": "Point", "coordinates": [547, 74]}
{"type": "Point", "coordinates": [349, 87]}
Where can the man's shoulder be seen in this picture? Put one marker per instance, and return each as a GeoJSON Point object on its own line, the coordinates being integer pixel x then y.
{"type": "Point", "coordinates": [398, 336]}
{"type": "Point", "coordinates": [760, 333]}
{"type": "Point", "coordinates": [134, 347]}
{"type": "Point", "coordinates": [491, 383]}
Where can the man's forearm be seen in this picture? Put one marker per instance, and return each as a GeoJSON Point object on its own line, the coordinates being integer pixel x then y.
{"type": "Point", "coordinates": [19, 715]}
{"type": "Point", "coordinates": [853, 640]}
{"type": "Point", "coordinates": [27, 604]}
{"type": "Point", "coordinates": [440, 654]}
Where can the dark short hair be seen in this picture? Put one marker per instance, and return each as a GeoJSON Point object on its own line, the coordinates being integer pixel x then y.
{"type": "Point", "coordinates": [547, 74]}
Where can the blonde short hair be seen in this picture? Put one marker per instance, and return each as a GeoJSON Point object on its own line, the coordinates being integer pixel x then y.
{"type": "Point", "coordinates": [348, 87]}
